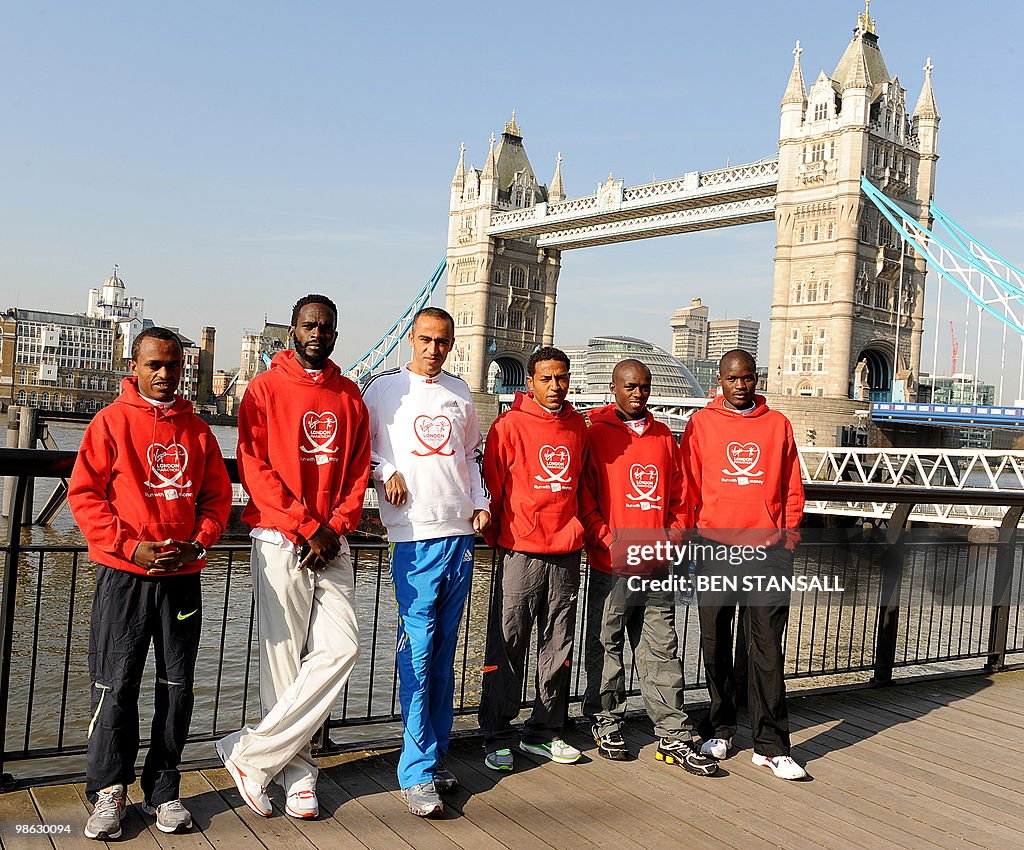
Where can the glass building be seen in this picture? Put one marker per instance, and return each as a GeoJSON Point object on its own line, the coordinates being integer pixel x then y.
{"type": "Point", "coordinates": [591, 366]}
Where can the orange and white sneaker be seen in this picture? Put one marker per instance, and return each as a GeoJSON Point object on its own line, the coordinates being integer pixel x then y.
{"type": "Point", "coordinates": [253, 794]}
{"type": "Point", "coordinates": [302, 804]}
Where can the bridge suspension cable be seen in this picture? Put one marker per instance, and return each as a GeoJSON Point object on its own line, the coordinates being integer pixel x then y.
{"type": "Point", "coordinates": [990, 282]}
{"type": "Point", "coordinates": [372, 359]}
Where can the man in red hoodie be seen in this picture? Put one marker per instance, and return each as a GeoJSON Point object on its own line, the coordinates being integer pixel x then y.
{"type": "Point", "coordinates": [150, 492]}
{"type": "Point", "coordinates": [632, 495]}
{"type": "Point", "coordinates": [744, 489]}
{"type": "Point", "coordinates": [532, 464]}
{"type": "Point", "coordinates": [304, 460]}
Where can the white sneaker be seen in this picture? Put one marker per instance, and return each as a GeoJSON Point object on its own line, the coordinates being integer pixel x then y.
{"type": "Point", "coordinates": [559, 751]}
{"type": "Point", "coordinates": [302, 804]}
{"type": "Point", "coordinates": [717, 748]}
{"type": "Point", "coordinates": [782, 766]}
{"type": "Point", "coordinates": [253, 794]}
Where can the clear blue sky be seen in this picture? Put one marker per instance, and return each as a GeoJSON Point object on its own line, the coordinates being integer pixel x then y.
{"type": "Point", "coordinates": [232, 157]}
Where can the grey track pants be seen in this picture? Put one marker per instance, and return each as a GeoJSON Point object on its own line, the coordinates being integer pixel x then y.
{"type": "Point", "coordinates": [529, 588]}
{"type": "Point", "coordinates": [648, 619]}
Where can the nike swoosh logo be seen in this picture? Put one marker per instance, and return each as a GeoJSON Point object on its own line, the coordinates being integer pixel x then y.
{"type": "Point", "coordinates": [186, 616]}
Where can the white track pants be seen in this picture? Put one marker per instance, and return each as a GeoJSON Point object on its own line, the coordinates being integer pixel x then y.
{"type": "Point", "coordinates": [309, 642]}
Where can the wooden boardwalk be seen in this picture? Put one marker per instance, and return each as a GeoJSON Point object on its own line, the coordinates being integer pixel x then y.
{"type": "Point", "coordinates": [930, 764]}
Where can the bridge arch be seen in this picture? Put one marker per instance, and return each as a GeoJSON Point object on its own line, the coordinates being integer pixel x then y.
{"type": "Point", "coordinates": [506, 373]}
{"type": "Point", "coordinates": [874, 372]}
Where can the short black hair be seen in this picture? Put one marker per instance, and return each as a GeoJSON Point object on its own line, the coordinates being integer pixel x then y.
{"type": "Point", "coordinates": [738, 354]}
{"type": "Point", "coordinates": [165, 334]}
{"type": "Point", "coordinates": [434, 313]}
{"type": "Point", "coordinates": [313, 298]}
{"type": "Point", "coordinates": [548, 352]}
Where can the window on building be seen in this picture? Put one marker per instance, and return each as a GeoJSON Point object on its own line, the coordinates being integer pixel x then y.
{"type": "Point", "coordinates": [831, 230]}
{"type": "Point", "coordinates": [517, 276]}
{"type": "Point", "coordinates": [816, 232]}
{"type": "Point", "coordinates": [33, 399]}
{"type": "Point", "coordinates": [803, 233]}
{"type": "Point", "coordinates": [515, 320]}
{"type": "Point", "coordinates": [798, 292]}
{"type": "Point", "coordinates": [530, 322]}
{"type": "Point", "coordinates": [818, 152]}
{"type": "Point", "coordinates": [882, 295]}
{"type": "Point", "coordinates": [22, 397]}
{"type": "Point", "coordinates": [826, 290]}
{"type": "Point", "coordinates": [499, 317]}
{"type": "Point", "coordinates": [820, 111]}
{"type": "Point", "coordinates": [44, 401]}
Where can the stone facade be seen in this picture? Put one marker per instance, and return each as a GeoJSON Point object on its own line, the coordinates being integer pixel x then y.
{"type": "Point", "coordinates": [848, 299]}
{"type": "Point", "coordinates": [501, 292]}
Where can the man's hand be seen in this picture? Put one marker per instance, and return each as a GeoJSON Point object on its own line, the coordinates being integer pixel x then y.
{"type": "Point", "coordinates": [164, 556]}
{"type": "Point", "coordinates": [395, 491]}
{"type": "Point", "coordinates": [481, 519]}
{"type": "Point", "coordinates": [324, 547]}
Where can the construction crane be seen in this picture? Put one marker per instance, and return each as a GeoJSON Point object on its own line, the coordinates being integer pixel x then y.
{"type": "Point", "coordinates": [956, 348]}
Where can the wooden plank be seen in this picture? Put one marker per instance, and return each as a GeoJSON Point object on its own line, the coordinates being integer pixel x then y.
{"type": "Point", "coordinates": [925, 732]}
{"type": "Point", "coordinates": [1003, 696]}
{"type": "Point", "coordinates": [17, 809]}
{"type": "Point", "coordinates": [391, 812]}
{"type": "Point", "coordinates": [768, 809]}
{"type": "Point", "coordinates": [904, 793]}
{"type": "Point", "coordinates": [840, 785]}
{"type": "Point", "coordinates": [579, 815]}
{"type": "Point", "coordinates": [482, 783]}
{"type": "Point", "coordinates": [506, 830]}
{"type": "Point", "coordinates": [347, 810]}
{"type": "Point", "coordinates": [459, 829]}
{"type": "Point", "coordinates": [958, 724]}
{"type": "Point", "coordinates": [636, 787]}
{"type": "Point", "coordinates": [141, 829]}
{"type": "Point", "coordinates": [950, 769]}
{"type": "Point", "coordinates": [64, 804]}
{"type": "Point", "coordinates": [272, 832]}
{"type": "Point", "coordinates": [971, 704]}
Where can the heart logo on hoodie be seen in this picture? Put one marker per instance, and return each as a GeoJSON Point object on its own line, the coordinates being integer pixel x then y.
{"type": "Point", "coordinates": [321, 430]}
{"type": "Point", "coordinates": [167, 464]}
{"type": "Point", "coordinates": [645, 481]}
{"type": "Point", "coordinates": [434, 433]}
{"type": "Point", "coordinates": [743, 458]}
{"type": "Point", "coordinates": [554, 460]}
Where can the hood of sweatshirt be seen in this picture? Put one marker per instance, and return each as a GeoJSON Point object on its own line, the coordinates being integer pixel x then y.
{"type": "Point", "coordinates": [607, 415]}
{"type": "Point", "coordinates": [286, 363]}
{"type": "Point", "coordinates": [131, 396]}
{"type": "Point", "coordinates": [717, 405]}
{"type": "Point", "coordinates": [526, 403]}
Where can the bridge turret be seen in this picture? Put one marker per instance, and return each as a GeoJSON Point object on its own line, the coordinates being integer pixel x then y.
{"type": "Point", "coordinates": [557, 191]}
{"type": "Point", "coordinates": [794, 101]}
{"type": "Point", "coordinates": [926, 115]}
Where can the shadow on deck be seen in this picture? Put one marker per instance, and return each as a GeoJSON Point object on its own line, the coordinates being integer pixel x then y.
{"type": "Point", "coordinates": [934, 763]}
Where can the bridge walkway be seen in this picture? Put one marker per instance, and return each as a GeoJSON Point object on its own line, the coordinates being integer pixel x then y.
{"type": "Point", "coordinates": [931, 763]}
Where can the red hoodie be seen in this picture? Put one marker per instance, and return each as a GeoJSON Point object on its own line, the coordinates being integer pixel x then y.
{"type": "Point", "coordinates": [631, 482]}
{"type": "Point", "coordinates": [303, 450]}
{"type": "Point", "coordinates": [532, 465]}
{"type": "Point", "coordinates": [146, 474]}
{"type": "Point", "coordinates": [743, 472]}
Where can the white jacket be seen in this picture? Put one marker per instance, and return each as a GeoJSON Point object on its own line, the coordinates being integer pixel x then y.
{"type": "Point", "coordinates": [425, 428]}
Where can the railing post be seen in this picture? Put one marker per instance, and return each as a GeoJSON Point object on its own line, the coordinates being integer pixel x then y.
{"type": "Point", "coordinates": [1000, 618]}
{"type": "Point", "coordinates": [322, 743]}
{"type": "Point", "coordinates": [10, 591]}
{"type": "Point", "coordinates": [889, 598]}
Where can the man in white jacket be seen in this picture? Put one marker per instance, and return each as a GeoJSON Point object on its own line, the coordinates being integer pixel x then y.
{"type": "Point", "coordinates": [425, 464]}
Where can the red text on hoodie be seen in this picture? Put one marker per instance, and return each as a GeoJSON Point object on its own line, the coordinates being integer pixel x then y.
{"type": "Point", "coordinates": [533, 460]}
{"type": "Point", "coordinates": [632, 482]}
{"type": "Point", "coordinates": [146, 473]}
{"type": "Point", "coordinates": [743, 472]}
{"type": "Point", "coordinates": [303, 450]}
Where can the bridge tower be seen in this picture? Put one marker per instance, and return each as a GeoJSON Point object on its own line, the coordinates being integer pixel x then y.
{"type": "Point", "coordinates": [848, 298]}
{"type": "Point", "coordinates": [500, 291]}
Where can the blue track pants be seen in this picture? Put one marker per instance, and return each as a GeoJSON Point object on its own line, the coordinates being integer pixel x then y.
{"type": "Point", "coordinates": [432, 579]}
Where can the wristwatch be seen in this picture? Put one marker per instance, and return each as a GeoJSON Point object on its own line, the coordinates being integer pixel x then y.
{"type": "Point", "coordinates": [200, 550]}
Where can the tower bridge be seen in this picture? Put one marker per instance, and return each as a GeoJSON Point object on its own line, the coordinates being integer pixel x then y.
{"type": "Point", "coordinates": [850, 190]}
{"type": "Point", "coordinates": [848, 294]}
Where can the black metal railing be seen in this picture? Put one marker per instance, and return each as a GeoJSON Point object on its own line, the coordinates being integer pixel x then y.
{"type": "Point", "coordinates": [907, 600]}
